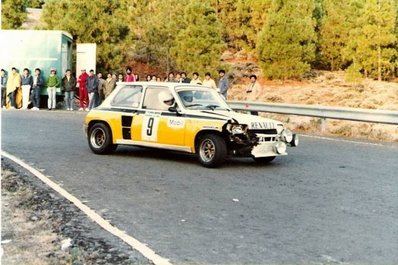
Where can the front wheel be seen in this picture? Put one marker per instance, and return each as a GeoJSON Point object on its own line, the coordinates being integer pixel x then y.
{"type": "Point", "coordinates": [264, 160]}
{"type": "Point", "coordinates": [100, 139]}
{"type": "Point", "coordinates": [211, 150]}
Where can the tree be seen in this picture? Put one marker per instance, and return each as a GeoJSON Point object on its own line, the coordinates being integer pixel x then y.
{"type": "Point", "coordinates": [101, 22]}
{"type": "Point", "coordinates": [242, 20]}
{"type": "Point", "coordinates": [13, 13]}
{"type": "Point", "coordinates": [199, 42]}
{"type": "Point", "coordinates": [334, 31]}
{"type": "Point", "coordinates": [372, 42]}
{"type": "Point", "coordinates": [163, 20]}
{"type": "Point", "coordinates": [286, 44]}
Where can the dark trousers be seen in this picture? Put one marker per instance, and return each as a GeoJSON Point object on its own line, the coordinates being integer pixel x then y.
{"type": "Point", "coordinates": [35, 97]}
{"type": "Point", "coordinates": [12, 98]}
{"type": "Point", "coordinates": [3, 96]}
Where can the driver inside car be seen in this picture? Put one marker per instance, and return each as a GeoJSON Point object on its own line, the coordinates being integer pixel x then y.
{"type": "Point", "coordinates": [166, 100]}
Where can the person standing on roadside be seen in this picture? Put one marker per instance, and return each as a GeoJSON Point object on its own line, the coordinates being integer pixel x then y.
{"type": "Point", "coordinates": [120, 78]}
{"type": "Point", "coordinates": [101, 87]}
{"type": "Point", "coordinates": [27, 82]}
{"type": "Point", "coordinates": [195, 79]}
{"type": "Point", "coordinates": [52, 84]}
{"type": "Point", "coordinates": [83, 94]}
{"type": "Point", "coordinates": [130, 77]}
{"type": "Point", "coordinates": [110, 84]}
{"type": "Point", "coordinates": [184, 78]}
{"type": "Point", "coordinates": [38, 82]}
{"type": "Point", "coordinates": [13, 84]}
{"type": "Point", "coordinates": [68, 86]}
{"type": "Point", "coordinates": [92, 89]}
{"type": "Point", "coordinates": [253, 89]}
{"type": "Point", "coordinates": [3, 83]}
{"type": "Point", "coordinates": [209, 82]}
{"type": "Point", "coordinates": [223, 83]}
{"type": "Point", "coordinates": [170, 77]}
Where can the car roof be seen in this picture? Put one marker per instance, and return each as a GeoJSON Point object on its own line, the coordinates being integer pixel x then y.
{"type": "Point", "coordinates": [166, 84]}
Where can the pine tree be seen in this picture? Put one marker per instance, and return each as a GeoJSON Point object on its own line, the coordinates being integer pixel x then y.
{"type": "Point", "coordinates": [372, 44]}
{"type": "Point", "coordinates": [101, 22]}
{"type": "Point", "coordinates": [13, 13]}
{"type": "Point", "coordinates": [334, 31]}
{"type": "Point", "coordinates": [158, 26]}
{"type": "Point", "coordinates": [199, 44]}
{"type": "Point", "coordinates": [286, 44]}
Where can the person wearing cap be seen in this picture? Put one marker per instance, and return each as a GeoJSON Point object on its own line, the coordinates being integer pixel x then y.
{"type": "Point", "coordinates": [38, 83]}
{"type": "Point", "coordinates": [83, 94]}
{"type": "Point", "coordinates": [52, 84]}
{"type": "Point", "coordinates": [13, 85]}
{"type": "Point", "coordinates": [27, 82]}
{"type": "Point", "coordinates": [3, 83]}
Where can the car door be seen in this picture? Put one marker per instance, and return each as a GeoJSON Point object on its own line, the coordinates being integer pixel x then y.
{"type": "Point", "coordinates": [127, 102]}
{"type": "Point", "coordinates": [159, 126]}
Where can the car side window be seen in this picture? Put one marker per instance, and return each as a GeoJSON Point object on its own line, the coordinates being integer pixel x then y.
{"type": "Point", "coordinates": [151, 98]}
{"type": "Point", "coordinates": [128, 96]}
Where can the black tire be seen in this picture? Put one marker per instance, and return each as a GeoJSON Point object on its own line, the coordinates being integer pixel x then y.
{"type": "Point", "coordinates": [100, 139]}
{"type": "Point", "coordinates": [264, 160]}
{"type": "Point", "coordinates": [212, 150]}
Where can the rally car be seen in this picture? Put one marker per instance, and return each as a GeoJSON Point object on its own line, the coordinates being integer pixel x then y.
{"type": "Point", "coordinates": [183, 117]}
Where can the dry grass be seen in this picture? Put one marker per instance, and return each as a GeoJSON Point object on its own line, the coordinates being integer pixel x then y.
{"type": "Point", "coordinates": [330, 89]}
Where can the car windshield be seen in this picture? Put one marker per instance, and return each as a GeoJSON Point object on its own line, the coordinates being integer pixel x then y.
{"type": "Point", "coordinates": [193, 98]}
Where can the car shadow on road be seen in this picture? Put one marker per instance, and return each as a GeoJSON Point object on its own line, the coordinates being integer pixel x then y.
{"type": "Point", "coordinates": [185, 158]}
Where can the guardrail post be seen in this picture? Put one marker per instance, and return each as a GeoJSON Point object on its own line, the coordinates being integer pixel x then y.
{"type": "Point", "coordinates": [323, 124]}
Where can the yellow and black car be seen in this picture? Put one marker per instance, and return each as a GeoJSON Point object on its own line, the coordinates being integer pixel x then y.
{"type": "Point", "coordinates": [183, 117]}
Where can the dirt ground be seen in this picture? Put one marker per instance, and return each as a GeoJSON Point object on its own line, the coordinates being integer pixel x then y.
{"type": "Point", "coordinates": [38, 227]}
{"type": "Point", "coordinates": [26, 238]}
{"type": "Point", "coordinates": [330, 89]}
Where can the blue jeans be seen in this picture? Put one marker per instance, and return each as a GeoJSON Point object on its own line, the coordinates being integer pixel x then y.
{"type": "Point", "coordinates": [92, 99]}
{"type": "Point", "coordinates": [69, 95]}
{"type": "Point", "coordinates": [35, 97]}
{"type": "Point", "coordinates": [3, 96]}
{"type": "Point", "coordinates": [12, 98]}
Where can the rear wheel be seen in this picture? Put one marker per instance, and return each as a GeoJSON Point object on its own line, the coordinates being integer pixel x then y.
{"type": "Point", "coordinates": [211, 150]}
{"type": "Point", "coordinates": [264, 160]}
{"type": "Point", "coordinates": [100, 139]}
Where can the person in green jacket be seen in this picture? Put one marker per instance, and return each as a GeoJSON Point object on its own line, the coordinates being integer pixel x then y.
{"type": "Point", "coordinates": [52, 84]}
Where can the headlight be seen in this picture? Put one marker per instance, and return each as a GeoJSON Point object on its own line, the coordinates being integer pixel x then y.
{"type": "Point", "coordinates": [287, 135]}
{"type": "Point", "coordinates": [237, 129]}
{"type": "Point", "coordinates": [280, 147]}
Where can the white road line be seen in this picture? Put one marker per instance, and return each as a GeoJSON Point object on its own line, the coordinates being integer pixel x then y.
{"type": "Point", "coordinates": [137, 245]}
{"type": "Point", "coordinates": [340, 140]}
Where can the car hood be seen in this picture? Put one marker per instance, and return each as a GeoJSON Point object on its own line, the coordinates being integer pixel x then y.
{"type": "Point", "coordinates": [252, 121]}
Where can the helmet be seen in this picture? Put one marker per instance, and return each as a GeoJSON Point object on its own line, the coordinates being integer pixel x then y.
{"type": "Point", "coordinates": [165, 96]}
{"type": "Point", "coordinates": [187, 96]}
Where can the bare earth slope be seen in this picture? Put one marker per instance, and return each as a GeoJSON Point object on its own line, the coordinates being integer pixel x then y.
{"type": "Point", "coordinates": [331, 89]}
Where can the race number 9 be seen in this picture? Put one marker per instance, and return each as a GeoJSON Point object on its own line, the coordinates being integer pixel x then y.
{"type": "Point", "coordinates": [149, 126]}
{"type": "Point", "coordinates": [149, 131]}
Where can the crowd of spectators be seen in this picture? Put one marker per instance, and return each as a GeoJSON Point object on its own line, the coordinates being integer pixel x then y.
{"type": "Point", "coordinates": [24, 90]}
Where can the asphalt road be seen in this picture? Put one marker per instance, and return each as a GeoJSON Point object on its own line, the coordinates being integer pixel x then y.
{"type": "Point", "coordinates": [329, 201]}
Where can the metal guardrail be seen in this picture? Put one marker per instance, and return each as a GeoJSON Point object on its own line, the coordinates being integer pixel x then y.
{"type": "Point", "coordinates": [323, 112]}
